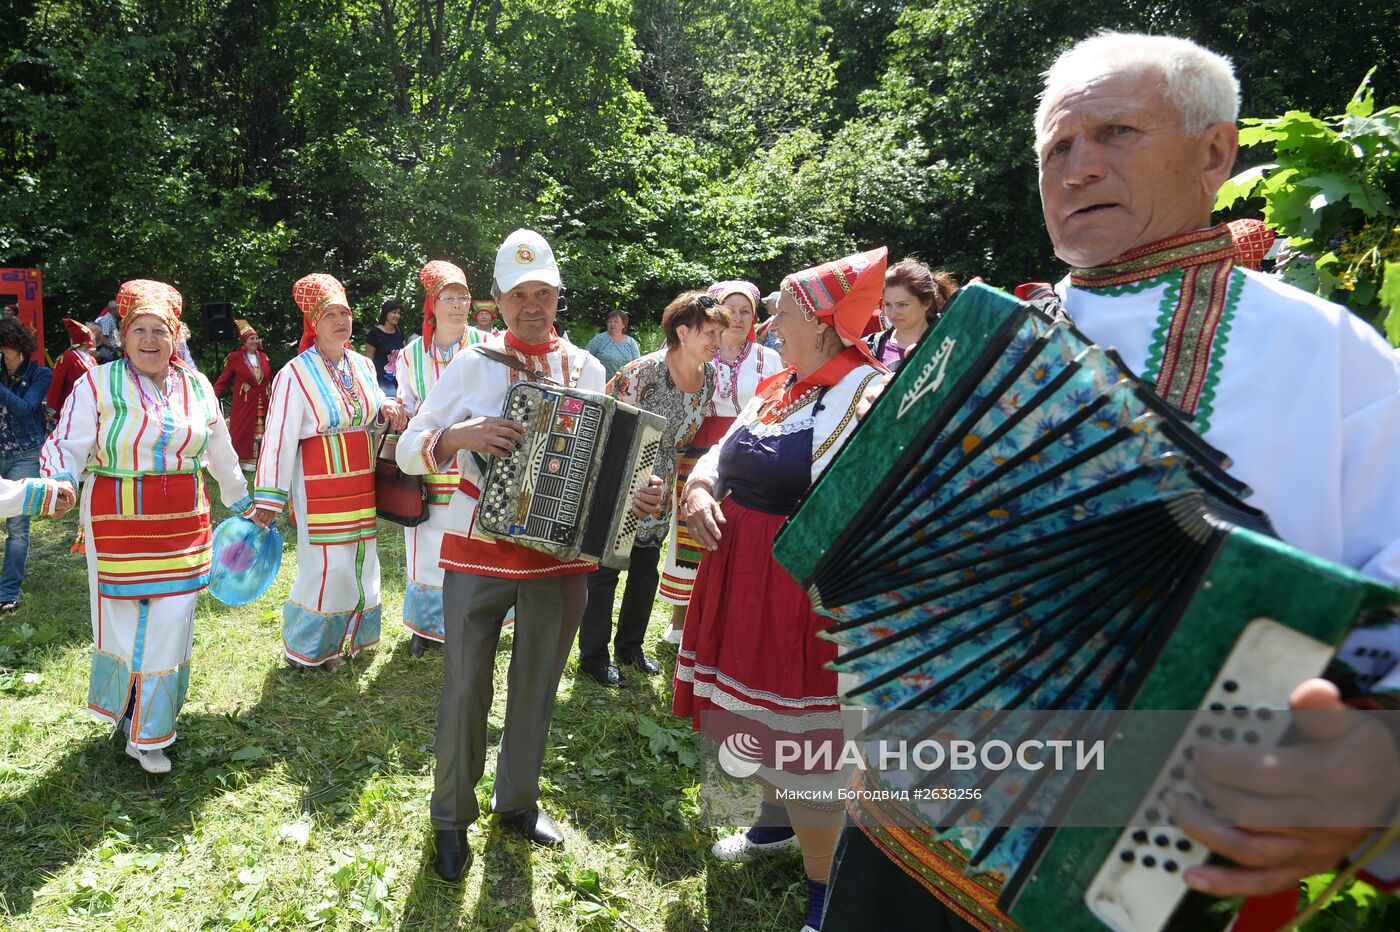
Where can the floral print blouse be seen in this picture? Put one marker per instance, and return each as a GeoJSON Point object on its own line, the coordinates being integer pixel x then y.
{"type": "Point", "coordinates": [646, 383]}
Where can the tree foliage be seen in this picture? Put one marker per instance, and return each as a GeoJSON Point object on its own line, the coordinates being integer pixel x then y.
{"type": "Point", "coordinates": [1333, 190]}
{"type": "Point", "coordinates": [230, 146]}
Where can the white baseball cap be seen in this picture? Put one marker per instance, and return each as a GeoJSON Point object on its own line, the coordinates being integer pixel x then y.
{"type": "Point", "coordinates": [525, 257]}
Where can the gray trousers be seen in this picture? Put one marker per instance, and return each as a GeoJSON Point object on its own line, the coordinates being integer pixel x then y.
{"type": "Point", "coordinates": [547, 614]}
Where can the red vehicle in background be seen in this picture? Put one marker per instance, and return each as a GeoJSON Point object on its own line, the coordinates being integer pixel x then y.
{"type": "Point", "coordinates": [24, 288]}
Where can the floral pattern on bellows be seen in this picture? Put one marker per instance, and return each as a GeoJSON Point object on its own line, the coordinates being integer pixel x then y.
{"type": "Point", "coordinates": [1004, 541]}
{"type": "Point", "coordinates": [646, 383]}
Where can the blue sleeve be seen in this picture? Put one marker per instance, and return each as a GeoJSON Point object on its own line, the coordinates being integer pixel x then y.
{"type": "Point", "coordinates": [32, 401]}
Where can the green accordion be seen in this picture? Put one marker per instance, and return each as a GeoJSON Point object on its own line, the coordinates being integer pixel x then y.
{"type": "Point", "coordinates": [1021, 525]}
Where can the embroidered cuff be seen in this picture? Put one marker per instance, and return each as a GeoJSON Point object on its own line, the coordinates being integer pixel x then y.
{"type": "Point", "coordinates": [271, 499]}
{"type": "Point", "coordinates": [40, 497]}
{"type": "Point", "coordinates": [425, 452]}
{"type": "Point", "coordinates": [241, 506]}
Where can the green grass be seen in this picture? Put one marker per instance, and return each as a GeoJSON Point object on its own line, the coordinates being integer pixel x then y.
{"type": "Point", "coordinates": [300, 799]}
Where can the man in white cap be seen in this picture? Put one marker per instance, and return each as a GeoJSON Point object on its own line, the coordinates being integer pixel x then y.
{"type": "Point", "coordinates": [485, 577]}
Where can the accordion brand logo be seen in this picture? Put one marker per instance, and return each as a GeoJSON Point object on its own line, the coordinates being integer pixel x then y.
{"type": "Point", "coordinates": [740, 755]}
{"type": "Point", "coordinates": [929, 378]}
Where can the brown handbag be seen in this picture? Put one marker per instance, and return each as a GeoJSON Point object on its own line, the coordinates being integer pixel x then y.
{"type": "Point", "coordinates": [398, 497]}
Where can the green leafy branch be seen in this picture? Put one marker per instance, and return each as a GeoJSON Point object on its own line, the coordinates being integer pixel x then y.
{"type": "Point", "coordinates": [1332, 190]}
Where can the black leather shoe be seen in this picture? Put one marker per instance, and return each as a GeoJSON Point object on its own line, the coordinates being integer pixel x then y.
{"type": "Point", "coordinates": [607, 675]}
{"type": "Point", "coordinates": [418, 645]}
{"type": "Point", "coordinates": [453, 855]}
{"type": "Point", "coordinates": [641, 661]}
{"type": "Point", "coordinates": [535, 825]}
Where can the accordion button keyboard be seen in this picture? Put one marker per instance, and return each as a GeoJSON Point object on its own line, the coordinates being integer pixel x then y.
{"type": "Point", "coordinates": [1138, 890]}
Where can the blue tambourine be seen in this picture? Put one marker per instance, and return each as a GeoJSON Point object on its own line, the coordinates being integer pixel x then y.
{"type": "Point", "coordinates": [246, 560]}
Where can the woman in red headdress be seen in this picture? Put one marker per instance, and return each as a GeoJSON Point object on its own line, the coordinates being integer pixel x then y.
{"type": "Point", "coordinates": [249, 374]}
{"type": "Point", "coordinates": [143, 429]}
{"type": "Point", "coordinates": [317, 454]}
{"type": "Point", "coordinates": [76, 360]}
{"type": "Point", "coordinates": [749, 650]}
{"type": "Point", "coordinates": [446, 306]}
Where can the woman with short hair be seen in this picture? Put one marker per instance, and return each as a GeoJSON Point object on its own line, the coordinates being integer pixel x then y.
{"type": "Point", "coordinates": [741, 364]}
{"type": "Point", "coordinates": [317, 454]}
{"type": "Point", "coordinates": [676, 382]}
{"type": "Point", "coordinates": [613, 347]}
{"type": "Point", "coordinates": [143, 428]}
{"type": "Point", "coordinates": [23, 385]}
{"type": "Point", "coordinates": [915, 296]}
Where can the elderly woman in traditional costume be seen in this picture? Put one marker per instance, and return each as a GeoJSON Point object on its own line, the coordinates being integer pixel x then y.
{"type": "Point", "coordinates": [317, 452]}
{"type": "Point", "coordinates": [143, 428]}
{"type": "Point", "coordinates": [741, 364]}
{"type": "Point", "coordinates": [750, 644]}
{"type": "Point", "coordinates": [249, 375]}
{"type": "Point", "coordinates": [445, 333]}
{"type": "Point", "coordinates": [484, 314]}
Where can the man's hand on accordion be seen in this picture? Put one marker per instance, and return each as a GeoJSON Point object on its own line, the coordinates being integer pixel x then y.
{"type": "Point", "coordinates": [1346, 768]}
{"type": "Point", "coordinates": [647, 499]}
{"type": "Point", "coordinates": [494, 436]}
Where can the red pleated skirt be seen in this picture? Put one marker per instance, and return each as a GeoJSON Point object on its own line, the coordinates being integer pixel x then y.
{"type": "Point", "coordinates": [750, 641]}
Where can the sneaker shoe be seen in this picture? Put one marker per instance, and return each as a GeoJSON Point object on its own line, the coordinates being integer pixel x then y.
{"type": "Point", "coordinates": [673, 636]}
{"type": "Point", "coordinates": [151, 761]}
{"type": "Point", "coordinates": [738, 847]}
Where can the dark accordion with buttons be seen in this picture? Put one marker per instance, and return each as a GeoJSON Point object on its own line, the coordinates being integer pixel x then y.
{"type": "Point", "coordinates": [568, 490]}
{"type": "Point", "coordinates": [1022, 526]}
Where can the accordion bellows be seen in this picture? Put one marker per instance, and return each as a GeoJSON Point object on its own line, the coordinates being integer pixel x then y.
{"type": "Point", "coordinates": [1021, 524]}
{"type": "Point", "coordinates": [567, 491]}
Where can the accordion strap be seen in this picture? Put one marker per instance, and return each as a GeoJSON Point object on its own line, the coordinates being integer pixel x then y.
{"type": "Point", "coordinates": [506, 359]}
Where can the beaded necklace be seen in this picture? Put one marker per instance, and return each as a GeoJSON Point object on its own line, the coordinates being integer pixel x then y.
{"type": "Point", "coordinates": [343, 377]}
{"type": "Point", "coordinates": [154, 408]}
{"type": "Point", "coordinates": [727, 374]}
{"type": "Point", "coordinates": [775, 409]}
{"type": "Point", "coordinates": [442, 355]}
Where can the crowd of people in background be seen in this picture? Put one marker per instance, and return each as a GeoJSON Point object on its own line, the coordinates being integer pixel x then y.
{"type": "Point", "coordinates": [133, 415]}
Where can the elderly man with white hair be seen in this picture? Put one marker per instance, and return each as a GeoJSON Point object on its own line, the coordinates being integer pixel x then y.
{"type": "Point", "coordinates": [1134, 136]}
{"type": "Point", "coordinates": [459, 422]}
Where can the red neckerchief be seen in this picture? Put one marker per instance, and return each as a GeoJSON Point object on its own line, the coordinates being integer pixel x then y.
{"type": "Point", "coordinates": [533, 349]}
{"type": "Point", "coordinates": [779, 395]}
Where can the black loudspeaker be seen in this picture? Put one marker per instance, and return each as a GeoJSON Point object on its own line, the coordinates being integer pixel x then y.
{"type": "Point", "coordinates": [218, 323]}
